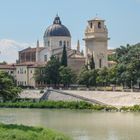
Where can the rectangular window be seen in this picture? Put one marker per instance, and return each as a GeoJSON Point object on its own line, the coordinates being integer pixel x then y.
{"type": "Point", "coordinates": [100, 63]}
{"type": "Point", "coordinates": [45, 58]}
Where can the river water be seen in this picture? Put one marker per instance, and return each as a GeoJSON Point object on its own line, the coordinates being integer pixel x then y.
{"type": "Point", "coordinates": [81, 125]}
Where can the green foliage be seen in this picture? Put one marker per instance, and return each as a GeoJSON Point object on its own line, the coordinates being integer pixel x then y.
{"type": "Point", "coordinates": [128, 68]}
{"type": "Point", "coordinates": [57, 104]}
{"type": "Point", "coordinates": [92, 63]}
{"type": "Point", "coordinates": [87, 77]}
{"type": "Point", "coordinates": [67, 76]}
{"type": "Point", "coordinates": [52, 71]}
{"type": "Point", "coordinates": [103, 77]}
{"type": "Point", "coordinates": [64, 57]}
{"type": "Point", "coordinates": [21, 132]}
{"type": "Point", "coordinates": [126, 72]}
{"type": "Point", "coordinates": [112, 57]}
{"type": "Point", "coordinates": [8, 90]}
{"type": "Point", "coordinates": [135, 108]}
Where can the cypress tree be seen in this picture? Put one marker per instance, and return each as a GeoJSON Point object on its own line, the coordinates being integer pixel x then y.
{"type": "Point", "coordinates": [64, 57]}
{"type": "Point", "coordinates": [92, 63]}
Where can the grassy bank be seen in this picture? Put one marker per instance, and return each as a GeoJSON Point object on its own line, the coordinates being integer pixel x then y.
{"type": "Point", "coordinates": [21, 132]}
{"type": "Point", "coordinates": [57, 105]}
{"type": "Point", "coordinates": [135, 108]}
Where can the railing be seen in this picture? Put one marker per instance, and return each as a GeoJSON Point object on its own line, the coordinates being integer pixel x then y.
{"type": "Point", "coordinates": [76, 96]}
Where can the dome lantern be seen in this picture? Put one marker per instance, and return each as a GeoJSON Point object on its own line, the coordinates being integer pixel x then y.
{"type": "Point", "coordinates": [57, 20]}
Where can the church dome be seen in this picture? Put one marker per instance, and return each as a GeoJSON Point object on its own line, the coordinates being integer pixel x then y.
{"type": "Point", "coordinates": [57, 29]}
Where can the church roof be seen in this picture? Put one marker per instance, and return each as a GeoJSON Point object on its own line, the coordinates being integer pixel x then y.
{"type": "Point", "coordinates": [57, 29]}
{"type": "Point", "coordinates": [7, 66]}
{"type": "Point", "coordinates": [29, 49]}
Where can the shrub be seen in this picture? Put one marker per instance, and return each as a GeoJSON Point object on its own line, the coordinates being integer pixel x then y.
{"type": "Point", "coordinates": [21, 132]}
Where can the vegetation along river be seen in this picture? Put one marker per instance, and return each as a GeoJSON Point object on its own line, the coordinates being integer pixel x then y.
{"type": "Point", "coordinates": [80, 124]}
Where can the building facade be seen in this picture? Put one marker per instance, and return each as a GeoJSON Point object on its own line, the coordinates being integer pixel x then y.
{"type": "Point", "coordinates": [55, 38]}
{"type": "Point", "coordinates": [96, 42]}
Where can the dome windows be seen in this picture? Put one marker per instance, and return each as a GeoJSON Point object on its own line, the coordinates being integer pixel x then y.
{"type": "Point", "coordinates": [60, 43]}
{"type": "Point", "coordinates": [57, 35]}
{"type": "Point", "coordinates": [67, 43]}
{"type": "Point", "coordinates": [64, 43]}
{"type": "Point", "coordinates": [48, 43]}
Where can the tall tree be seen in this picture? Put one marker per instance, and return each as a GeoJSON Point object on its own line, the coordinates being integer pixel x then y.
{"type": "Point", "coordinates": [52, 71]}
{"type": "Point", "coordinates": [92, 63]}
{"type": "Point", "coordinates": [64, 57]}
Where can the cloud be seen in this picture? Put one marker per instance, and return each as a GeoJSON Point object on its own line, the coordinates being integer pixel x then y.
{"type": "Point", "coordinates": [9, 50]}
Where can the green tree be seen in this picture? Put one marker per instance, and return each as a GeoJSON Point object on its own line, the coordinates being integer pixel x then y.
{"type": "Point", "coordinates": [128, 66]}
{"type": "Point", "coordinates": [112, 75]}
{"type": "Point", "coordinates": [103, 76]}
{"type": "Point", "coordinates": [67, 76]}
{"type": "Point", "coordinates": [92, 63]}
{"type": "Point", "coordinates": [93, 74]}
{"type": "Point", "coordinates": [8, 89]}
{"type": "Point", "coordinates": [64, 57]}
{"type": "Point", "coordinates": [51, 71]}
{"type": "Point", "coordinates": [87, 77]}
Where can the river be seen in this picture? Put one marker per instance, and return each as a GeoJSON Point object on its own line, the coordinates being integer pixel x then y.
{"type": "Point", "coordinates": [81, 125]}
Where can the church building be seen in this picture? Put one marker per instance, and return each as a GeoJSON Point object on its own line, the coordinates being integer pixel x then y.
{"type": "Point", "coordinates": [55, 38]}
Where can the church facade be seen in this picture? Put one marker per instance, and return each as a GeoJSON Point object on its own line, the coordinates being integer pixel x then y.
{"type": "Point", "coordinates": [55, 38]}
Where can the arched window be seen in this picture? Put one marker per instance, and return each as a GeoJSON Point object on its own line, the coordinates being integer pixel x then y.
{"type": "Point", "coordinates": [64, 43]}
{"type": "Point", "coordinates": [60, 43]}
{"type": "Point", "coordinates": [99, 24]}
{"type": "Point", "coordinates": [68, 44]}
{"type": "Point", "coordinates": [45, 58]}
{"type": "Point", "coordinates": [48, 43]}
{"type": "Point", "coordinates": [91, 25]}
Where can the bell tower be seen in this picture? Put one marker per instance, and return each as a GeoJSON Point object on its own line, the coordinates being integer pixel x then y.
{"type": "Point", "coordinates": [96, 42]}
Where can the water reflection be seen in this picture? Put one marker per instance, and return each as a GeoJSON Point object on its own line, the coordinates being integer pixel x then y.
{"type": "Point", "coordinates": [82, 125]}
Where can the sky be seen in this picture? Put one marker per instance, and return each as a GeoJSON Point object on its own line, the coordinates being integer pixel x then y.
{"type": "Point", "coordinates": [23, 22]}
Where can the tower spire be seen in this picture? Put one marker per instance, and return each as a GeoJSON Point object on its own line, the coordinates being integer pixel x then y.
{"type": "Point", "coordinates": [78, 46]}
{"type": "Point", "coordinates": [37, 44]}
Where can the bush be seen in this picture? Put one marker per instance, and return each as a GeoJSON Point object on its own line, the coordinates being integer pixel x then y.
{"type": "Point", "coordinates": [21, 132]}
{"type": "Point", "coordinates": [57, 104]}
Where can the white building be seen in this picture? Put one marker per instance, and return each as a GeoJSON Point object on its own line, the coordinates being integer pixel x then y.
{"type": "Point", "coordinates": [96, 42]}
